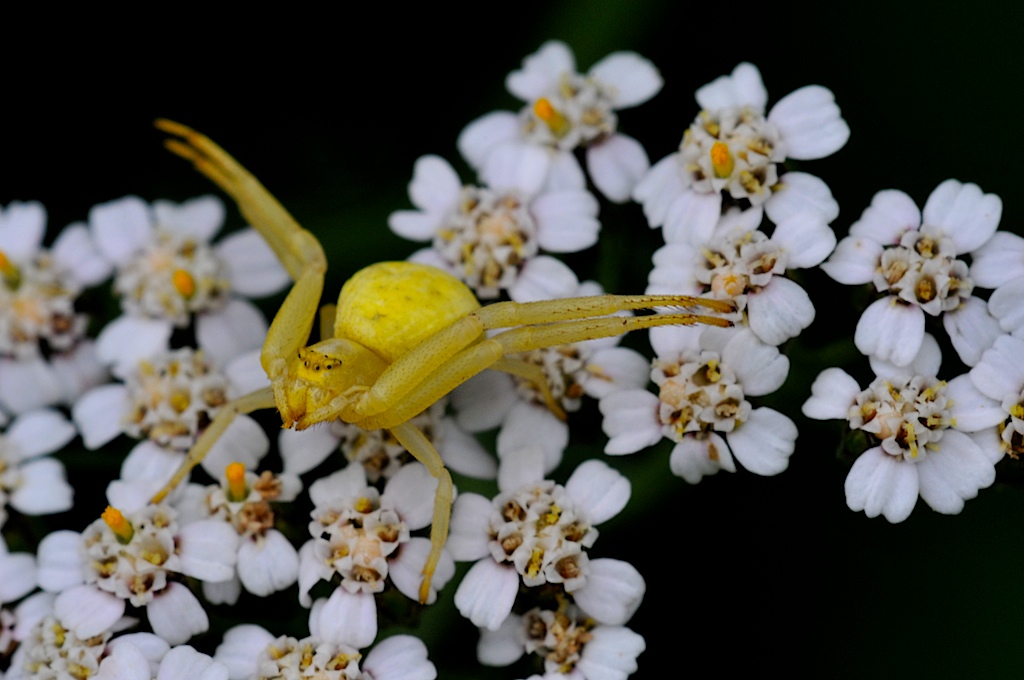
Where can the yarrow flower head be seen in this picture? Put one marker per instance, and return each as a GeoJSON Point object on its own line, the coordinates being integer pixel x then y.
{"type": "Point", "coordinates": [704, 379]}
{"type": "Point", "coordinates": [927, 436]}
{"type": "Point", "coordinates": [566, 110]}
{"type": "Point", "coordinates": [267, 562]}
{"type": "Point", "coordinates": [490, 237]}
{"type": "Point", "coordinates": [570, 644]}
{"type": "Point", "coordinates": [364, 538]}
{"type": "Point", "coordinates": [44, 356]}
{"type": "Point", "coordinates": [912, 257]}
{"type": "Point", "coordinates": [168, 272]}
{"type": "Point", "coordinates": [733, 152]}
{"type": "Point", "coordinates": [252, 653]}
{"type": "Point", "coordinates": [742, 263]}
{"type": "Point", "coordinates": [135, 559]}
{"type": "Point", "coordinates": [536, 532]}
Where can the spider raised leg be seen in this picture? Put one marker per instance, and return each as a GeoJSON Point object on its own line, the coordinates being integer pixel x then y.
{"type": "Point", "coordinates": [404, 335]}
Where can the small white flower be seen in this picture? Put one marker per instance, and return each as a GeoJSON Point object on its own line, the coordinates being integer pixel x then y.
{"type": "Point", "coordinates": [166, 401]}
{"type": "Point", "coordinates": [566, 110]}
{"type": "Point", "coordinates": [134, 559]}
{"type": "Point", "coordinates": [44, 357]}
{"type": "Point", "coordinates": [142, 656]}
{"type": "Point", "coordinates": [741, 263]}
{"type": "Point", "coordinates": [734, 151]}
{"type": "Point", "coordinates": [489, 236]}
{"type": "Point", "coordinates": [926, 433]}
{"type": "Point", "coordinates": [571, 644]}
{"type": "Point", "coordinates": [999, 376]}
{"type": "Point", "coordinates": [252, 653]}
{"type": "Point", "coordinates": [30, 483]}
{"type": "Point", "coordinates": [912, 257]}
{"type": "Point", "coordinates": [52, 649]}
{"type": "Point", "coordinates": [363, 535]}
{"type": "Point", "coordinates": [167, 271]}
{"type": "Point", "coordinates": [704, 379]}
{"type": "Point", "coordinates": [537, 532]}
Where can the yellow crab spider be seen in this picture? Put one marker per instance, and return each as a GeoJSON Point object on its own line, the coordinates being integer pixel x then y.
{"type": "Point", "coordinates": [404, 335]}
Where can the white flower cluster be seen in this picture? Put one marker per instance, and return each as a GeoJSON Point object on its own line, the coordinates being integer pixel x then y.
{"type": "Point", "coordinates": [740, 224]}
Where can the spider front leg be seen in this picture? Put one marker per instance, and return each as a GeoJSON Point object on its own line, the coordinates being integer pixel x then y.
{"type": "Point", "coordinates": [298, 250]}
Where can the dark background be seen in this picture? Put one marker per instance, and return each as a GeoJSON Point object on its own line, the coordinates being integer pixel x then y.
{"type": "Point", "coordinates": [742, 571]}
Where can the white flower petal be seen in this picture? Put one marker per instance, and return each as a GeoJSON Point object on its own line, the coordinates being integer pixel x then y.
{"type": "Point", "coordinates": [964, 213]}
{"type": "Point", "coordinates": [348, 619]}
{"type": "Point", "coordinates": [743, 87]}
{"type": "Point", "coordinates": [22, 227]}
{"type": "Point", "coordinates": [517, 166]}
{"type": "Point", "coordinates": [611, 369]}
{"type": "Point", "coordinates": [629, 78]}
{"type": "Point", "coordinates": [253, 268]}
{"type": "Point", "coordinates": [890, 330]}
{"type": "Point", "coordinates": [199, 218]}
{"type": "Point", "coordinates": [240, 648]}
{"type": "Point", "coordinates": [268, 565]}
{"type": "Point", "coordinates": [244, 441]}
{"type": "Point", "coordinates": [764, 443]}
{"type": "Point", "coordinates": [28, 385]}
{"type": "Point", "coordinates": [303, 450]}
{"type": "Point", "coordinates": [17, 576]}
{"type": "Point", "coordinates": [487, 593]}
{"type": "Point", "coordinates": [599, 490]}
{"type": "Point", "coordinates": [121, 228]}
{"type": "Point", "coordinates": [176, 614]}
{"type": "Point", "coordinates": [87, 610]}
{"type": "Point", "coordinates": [694, 459]}
{"type": "Point", "coordinates": [891, 214]}
{"type": "Point", "coordinates": [467, 533]}
{"type": "Point", "coordinates": [36, 433]}
{"type": "Point", "coordinates": [832, 394]}
{"type": "Point", "coordinates": [880, 484]}
{"type": "Point", "coordinates": [542, 71]}
{"type": "Point", "coordinates": [405, 569]}
{"type": "Point", "coordinates": [59, 560]}
{"type": "Point", "coordinates": [999, 261]}
{"type": "Point", "coordinates": [464, 454]}
{"type": "Point", "coordinates": [810, 123]}
{"type": "Point", "coordinates": [760, 368]}
{"type": "Point", "coordinates": [954, 473]}
{"type": "Point", "coordinates": [231, 331]}
{"type": "Point", "coordinates": [128, 339]}
{"type": "Point", "coordinates": [779, 311]}
{"type": "Point", "coordinates": [611, 653]}
{"type": "Point", "coordinates": [74, 249]}
{"type": "Point", "coordinates": [799, 192]}
{"type": "Point", "coordinates": [435, 186]}
{"type": "Point", "coordinates": [566, 220]}
{"type": "Point", "coordinates": [692, 217]}
{"type": "Point", "coordinates": [630, 421]}
{"type": "Point", "coordinates": [185, 663]}
{"type": "Point", "coordinates": [245, 373]}
{"type": "Point", "coordinates": [415, 225]}
{"type": "Point", "coordinates": [400, 657]}
{"type": "Point", "coordinates": [478, 139]}
{"type": "Point", "coordinates": [411, 492]}
{"type": "Point", "coordinates": [1006, 304]}
{"type": "Point", "coordinates": [971, 329]}
{"type": "Point", "coordinates": [98, 414]}
{"type": "Point", "coordinates": [44, 488]}
{"type": "Point", "coordinates": [613, 591]}
{"type": "Point", "coordinates": [124, 661]}
{"type": "Point", "coordinates": [1000, 373]}
{"type": "Point", "coordinates": [659, 188]}
{"type": "Point", "coordinates": [501, 647]}
{"type": "Point", "coordinates": [807, 239]}
{"type": "Point", "coordinates": [616, 165]}
{"type": "Point", "coordinates": [854, 261]}
{"type": "Point", "coordinates": [483, 401]}
{"type": "Point", "coordinates": [544, 278]}
{"type": "Point", "coordinates": [208, 550]}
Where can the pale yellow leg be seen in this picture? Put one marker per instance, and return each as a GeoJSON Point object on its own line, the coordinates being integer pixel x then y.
{"type": "Point", "coordinates": [484, 355]}
{"type": "Point", "coordinates": [298, 250]}
{"type": "Point", "coordinates": [420, 447]}
{"type": "Point", "coordinates": [415, 365]}
{"type": "Point", "coordinates": [254, 401]}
